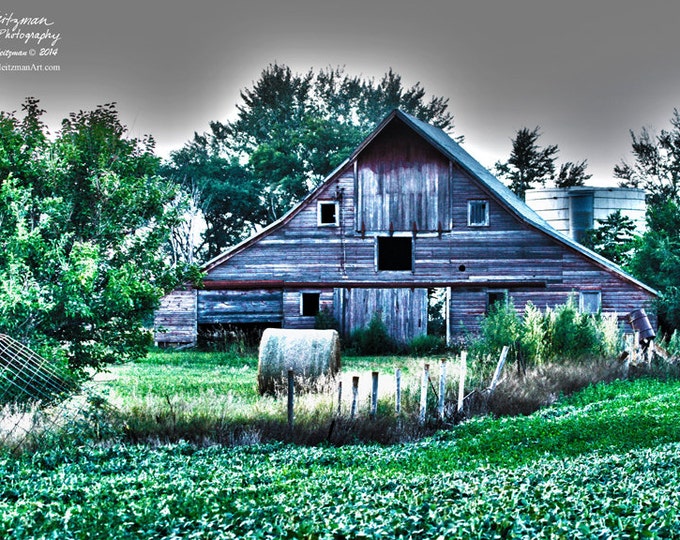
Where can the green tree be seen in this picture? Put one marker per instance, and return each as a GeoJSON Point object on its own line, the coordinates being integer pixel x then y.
{"type": "Point", "coordinates": [656, 169]}
{"type": "Point", "coordinates": [613, 238]}
{"type": "Point", "coordinates": [656, 260]}
{"type": "Point", "coordinates": [529, 165]}
{"type": "Point", "coordinates": [83, 222]}
{"type": "Point", "coordinates": [223, 191]}
{"type": "Point", "coordinates": [291, 131]}
{"type": "Point", "coordinates": [572, 174]}
{"type": "Point", "coordinates": [656, 166]}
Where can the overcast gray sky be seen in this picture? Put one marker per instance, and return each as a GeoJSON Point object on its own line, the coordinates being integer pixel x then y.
{"type": "Point", "coordinates": [586, 71]}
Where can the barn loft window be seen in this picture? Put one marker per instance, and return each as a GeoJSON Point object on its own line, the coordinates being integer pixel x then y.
{"type": "Point", "coordinates": [590, 301]}
{"type": "Point", "coordinates": [395, 253]}
{"type": "Point", "coordinates": [309, 304]}
{"type": "Point", "coordinates": [478, 213]}
{"type": "Point", "coordinates": [327, 214]}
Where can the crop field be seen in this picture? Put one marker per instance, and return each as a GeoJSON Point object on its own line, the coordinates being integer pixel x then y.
{"type": "Point", "coordinates": [602, 463]}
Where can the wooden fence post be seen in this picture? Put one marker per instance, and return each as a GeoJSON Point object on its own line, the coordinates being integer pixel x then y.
{"type": "Point", "coordinates": [461, 382]}
{"type": "Point", "coordinates": [291, 398]}
{"type": "Point", "coordinates": [355, 396]}
{"type": "Point", "coordinates": [423, 393]}
{"type": "Point", "coordinates": [442, 388]}
{"type": "Point", "coordinates": [339, 397]}
{"type": "Point", "coordinates": [374, 395]}
{"type": "Point", "coordinates": [499, 368]}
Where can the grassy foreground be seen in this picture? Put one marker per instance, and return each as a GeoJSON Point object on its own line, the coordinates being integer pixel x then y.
{"type": "Point", "coordinates": [604, 463]}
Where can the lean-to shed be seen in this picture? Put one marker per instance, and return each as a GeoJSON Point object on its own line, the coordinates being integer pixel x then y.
{"type": "Point", "coordinates": [409, 214]}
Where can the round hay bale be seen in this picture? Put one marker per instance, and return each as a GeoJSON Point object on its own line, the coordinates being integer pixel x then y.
{"type": "Point", "coordinates": [311, 354]}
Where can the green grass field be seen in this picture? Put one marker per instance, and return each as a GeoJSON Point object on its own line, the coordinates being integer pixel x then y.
{"type": "Point", "coordinates": [602, 463]}
{"type": "Point", "coordinates": [213, 398]}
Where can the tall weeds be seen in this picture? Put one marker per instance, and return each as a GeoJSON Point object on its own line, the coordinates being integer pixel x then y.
{"type": "Point", "coordinates": [555, 335]}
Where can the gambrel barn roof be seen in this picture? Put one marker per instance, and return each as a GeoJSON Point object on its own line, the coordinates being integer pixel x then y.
{"type": "Point", "coordinates": [441, 141]}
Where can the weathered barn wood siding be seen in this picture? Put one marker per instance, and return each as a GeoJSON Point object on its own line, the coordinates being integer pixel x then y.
{"type": "Point", "coordinates": [304, 252]}
{"type": "Point", "coordinates": [175, 320]}
{"type": "Point", "coordinates": [575, 274]}
{"type": "Point", "coordinates": [292, 316]}
{"type": "Point", "coordinates": [402, 182]}
{"type": "Point", "coordinates": [404, 311]}
{"type": "Point", "coordinates": [400, 179]}
{"type": "Point", "coordinates": [506, 250]}
{"type": "Point", "coordinates": [240, 306]}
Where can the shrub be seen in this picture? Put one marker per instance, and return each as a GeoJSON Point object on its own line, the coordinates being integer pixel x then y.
{"type": "Point", "coordinates": [533, 335]}
{"type": "Point", "coordinates": [427, 344]}
{"type": "Point", "coordinates": [373, 338]}
{"type": "Point", "coordinates": [575, 335]}
{"type": "Point", "coordinates": [324, 320]}
{"type": "Point", "coordinates": [556, 335]}
{"type": "Point", "coordinates": [673, 343]}
{"type": "Point", "coordinates": [500, 327]}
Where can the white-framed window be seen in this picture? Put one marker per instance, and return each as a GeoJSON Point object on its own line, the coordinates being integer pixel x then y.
{"type": "Point", "coordinates": [309, 304]}
{"type": "Point", "coordinates": [590, 301]}
{"type": "Point", "coordinates": [478, 213]}
{"type": "Point", "coordinates": [327, 213]}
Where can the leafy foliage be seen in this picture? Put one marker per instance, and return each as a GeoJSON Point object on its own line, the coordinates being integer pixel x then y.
{"type": "Point", "coordinates": [426, 345]}
{"type": "Point", "coordinates": [325, 320]}
{"type": "Point", "coordinates": [529, 164]}
{"type": "Point", "coordinates": [83, 222]}
{"type": "Point", "coordinates": [656, 168]}
{"type": "Point", "coordinates": [572, 174]}
{"type": "Point", "coordinates": [613, 238]}
{"type": "Point", "coordinates": [500, 327]}
{"type": "Point", "coordinates": [373, 339]}
{"type": "Point", "coordinates": [224, 193]}
{"type": "Point", "coordinates": [656, 260]}
{"type": "Point", "coordinates": [559, 334]}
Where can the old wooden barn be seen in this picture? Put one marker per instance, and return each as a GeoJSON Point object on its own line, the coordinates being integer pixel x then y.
{"type": "Point", "coordinates": [407, 215]}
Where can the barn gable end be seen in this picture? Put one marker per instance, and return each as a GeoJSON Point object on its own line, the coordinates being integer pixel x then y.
{"type": "Point", "coordinates": [408, 213]}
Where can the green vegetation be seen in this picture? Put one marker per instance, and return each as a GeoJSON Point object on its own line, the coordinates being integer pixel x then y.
{"type": "Point", "coordinates": [84, 220]}
{"type": "Point", "coordinates": [604, 463]}
{"type": "Point", "coordinates": [530, 166]}
{"type": "Point", "coordinates": [373, 338]}
{"type": "Point", "coordinates": [213, 398]}
{"type": "Point", "coordinates": [535, 337]}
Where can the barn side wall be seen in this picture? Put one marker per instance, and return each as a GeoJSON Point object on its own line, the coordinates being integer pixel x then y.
{"type": "Point", "coordinates": [175, 319]}
{"type": "Point", "coordinates": [340, 261]}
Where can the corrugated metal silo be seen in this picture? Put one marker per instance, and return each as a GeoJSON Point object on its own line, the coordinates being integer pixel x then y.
{"type": "Point", "coordinates": [574, 210]}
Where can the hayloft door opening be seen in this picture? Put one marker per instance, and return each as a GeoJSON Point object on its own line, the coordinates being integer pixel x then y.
{"type": "Point", "coordinates": [394, 253]}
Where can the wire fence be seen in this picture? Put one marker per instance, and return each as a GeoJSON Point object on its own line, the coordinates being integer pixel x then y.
{"type": "Point", "coordinates": [29, 385]}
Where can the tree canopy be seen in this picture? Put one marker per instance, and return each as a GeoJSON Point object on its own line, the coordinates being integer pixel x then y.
{"type": "Point", "coordinates": [656, 165]}
{"type": "Point", "coordinates": [656, 169]}
{"type": "Point", "coordinates": [84, 219]}
{"type": "Point", "coordinates": [614, 238]}
{"type": "Point", "coordinates": [531, 165]}
{"type": "Point", "coordinates": [528, 164]}
{"type": "Point", "coordinates": [291, 131]}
